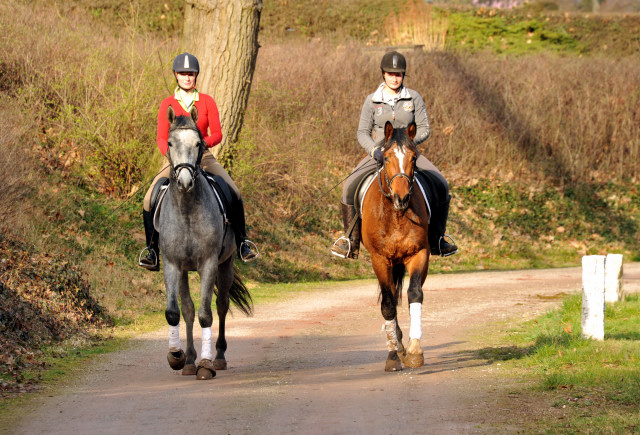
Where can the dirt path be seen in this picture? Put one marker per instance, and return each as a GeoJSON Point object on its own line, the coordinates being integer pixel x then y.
{"type": "Point", "coordinates": [315, 364]}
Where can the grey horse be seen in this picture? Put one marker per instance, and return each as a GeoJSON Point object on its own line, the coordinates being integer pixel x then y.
{"type": "Point", "coordinates": [195, 237]}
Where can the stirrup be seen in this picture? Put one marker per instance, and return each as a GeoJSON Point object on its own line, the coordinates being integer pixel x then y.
{"type": "Point", "coordinates": [453, 242]}
{"type": "Point", "coordinates": [147, 249]}
{"type": "Point", "coordinates": [348, 249]}
{"type": "Point", "coordinates": [255, 250]}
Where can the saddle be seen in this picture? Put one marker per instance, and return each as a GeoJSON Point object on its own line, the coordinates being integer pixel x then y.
{"type": "Point", "coordinates": [221, 190]}
{"type": "Point", "coordinates": [427, 187]}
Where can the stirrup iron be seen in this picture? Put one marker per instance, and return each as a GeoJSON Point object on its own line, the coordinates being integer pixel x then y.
{"type": "Point", "coordinates": [336, 242]}
{"type": "Point", "coordinates": [147, 249]}
{"type": "Point", "coordinates": [453, 242]}
{"type": "Point", "coordinates": [253, 247]}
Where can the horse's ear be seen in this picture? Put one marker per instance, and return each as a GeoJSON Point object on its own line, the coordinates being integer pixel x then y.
{"type": "Point", "coordinates": [194, 114]}
{"type": "Point", "coordinates": [171, 115]}
{"type": "Point", "coordinates": [411, 130]}
{"type": "Point", "coordinates": [388, 130]}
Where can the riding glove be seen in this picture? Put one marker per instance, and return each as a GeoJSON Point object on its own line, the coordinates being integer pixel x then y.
{"type": "Point", "coordinates": [377, 155]}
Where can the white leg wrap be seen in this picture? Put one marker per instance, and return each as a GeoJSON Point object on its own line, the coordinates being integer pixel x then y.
{"type": "Point", "coordinates": [415, 311]}
{"type": "Point", "coordinates": [174, 337]}
{"type": "Point", "coordinates": [392, 334]}
{"type": "Point", "coordinates": [206, 344]}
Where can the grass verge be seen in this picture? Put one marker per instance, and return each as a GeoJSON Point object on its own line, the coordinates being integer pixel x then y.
{"type": "Point", "coordinates": [592, 386]}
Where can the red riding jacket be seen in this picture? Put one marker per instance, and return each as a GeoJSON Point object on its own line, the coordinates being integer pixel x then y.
{"type": "Point", "coordinates": [208, 120]}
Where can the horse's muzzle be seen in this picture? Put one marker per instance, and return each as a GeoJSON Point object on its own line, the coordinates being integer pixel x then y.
{"type": "Point", "coordinates": [185, 175]}
{"type": "Point", "coordinates": [401, 203]}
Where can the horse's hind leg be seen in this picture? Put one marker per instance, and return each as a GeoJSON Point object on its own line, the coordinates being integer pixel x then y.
{"type": "Point", "coordinates": [225, 281]}
{"type": "Point", "coordinates": [389, 312]}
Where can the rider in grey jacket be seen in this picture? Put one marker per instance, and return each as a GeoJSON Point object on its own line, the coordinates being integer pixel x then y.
{"type": "Point", "coordinates": [393, 102]}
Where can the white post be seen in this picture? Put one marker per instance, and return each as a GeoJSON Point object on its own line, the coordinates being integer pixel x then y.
{"type": "Point", "coordinates": [613, 278]}
{"type": "Point", "coordinates": [593, 296]}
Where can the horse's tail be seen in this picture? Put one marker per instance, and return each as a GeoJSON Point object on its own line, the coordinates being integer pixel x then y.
{"type": "Point", "coordinates": [239, 293]}
{"type": "Point", "coordinates": [398, 276]}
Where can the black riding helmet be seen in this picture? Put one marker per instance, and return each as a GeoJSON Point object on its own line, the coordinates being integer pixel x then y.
{"type": "Point", "coordinates": [393, 62]}
{"type": "Point", "coordinates": [186, 62]}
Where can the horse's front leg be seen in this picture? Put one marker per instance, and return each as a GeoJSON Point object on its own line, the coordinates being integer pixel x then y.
{"type": "Point", "coordinates": [176, 356]}
{"type": "Point", "coordinates": [417, 267]}
{"type": "Point", "coordinates": [388, 307]}
{"type": "Point", "coordinates": [208, 274]}
{"type": "Point", "coordinates": [189, 314]}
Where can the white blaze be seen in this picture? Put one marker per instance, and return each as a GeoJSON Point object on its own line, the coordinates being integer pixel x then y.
{"type": "Point", "coordinates": [400, 155]}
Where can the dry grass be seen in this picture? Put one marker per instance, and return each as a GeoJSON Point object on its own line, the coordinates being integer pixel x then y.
{"type": "Point", "coordinates": [539, 120]}
{"type": "Point", "coordinates": [17, 168]}
{"type": "Point", "coordinates": [417, 24]}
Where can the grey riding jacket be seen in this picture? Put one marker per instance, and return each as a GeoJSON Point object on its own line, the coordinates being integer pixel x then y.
{"type": "Point", "coordinates": [377, 109]}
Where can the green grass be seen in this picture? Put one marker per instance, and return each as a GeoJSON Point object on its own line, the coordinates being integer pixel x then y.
{"type": "Point", "coordinates": [597, 382]}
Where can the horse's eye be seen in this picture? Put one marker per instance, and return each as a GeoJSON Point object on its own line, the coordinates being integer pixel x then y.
{"type": "Point", "coordinates": [170, 144]}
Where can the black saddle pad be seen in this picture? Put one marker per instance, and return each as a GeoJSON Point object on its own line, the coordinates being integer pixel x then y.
{"type": "Point", "coordinates": [222, 189]}
{"type": "Point", "coordinates": [155, 193]}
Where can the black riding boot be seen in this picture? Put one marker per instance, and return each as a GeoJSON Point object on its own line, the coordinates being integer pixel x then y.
{"type": "Point", "coordinates": [437, 228]}
{"type": "Point", "coordinates": [152, 260]}
{"type": "Point", "coordinates": [243, 244]}
{"type": "Point", "coordinates": [348, 246]}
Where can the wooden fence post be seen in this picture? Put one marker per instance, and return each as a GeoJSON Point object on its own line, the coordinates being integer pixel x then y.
{"type": "Point", "coordinates": [593, 296]}
{"type": "Point", "coordinates": [613, 278]}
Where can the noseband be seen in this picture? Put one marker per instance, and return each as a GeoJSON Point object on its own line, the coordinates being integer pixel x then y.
{"type": "Point", "coordinates": [193, 170]}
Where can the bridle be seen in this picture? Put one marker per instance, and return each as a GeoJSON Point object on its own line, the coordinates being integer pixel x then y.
{"type": "Point", "coordinates": [194, 170]}
{"type": "Point", "coordinates": [389, 181]}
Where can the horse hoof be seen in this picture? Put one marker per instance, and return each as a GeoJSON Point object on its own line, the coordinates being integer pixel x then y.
{"type": "Point", "coordinates": [189, 370]}
{"type": "Point", "coordinates": [206, 370]}
{"type": "Point", "coordinates": [415, 355]}
{"type": "Point", "coordinates": [219, 364]}
{"type": "Point", "coordinates": [176, 359]}
{"type": "Point", "coordinates": [401, 352]}
{"type": "Point", "coordinates": [414, 360]}
{"type": "Point", "coordinates": [393, 365]}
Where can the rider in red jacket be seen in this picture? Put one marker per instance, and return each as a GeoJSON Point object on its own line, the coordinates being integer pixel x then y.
{"type": "Point", "coordinates": [186, 69]}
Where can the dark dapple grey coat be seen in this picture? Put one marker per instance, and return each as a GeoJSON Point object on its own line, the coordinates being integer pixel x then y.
{"type": "Point", "coordinates": [194, 237]}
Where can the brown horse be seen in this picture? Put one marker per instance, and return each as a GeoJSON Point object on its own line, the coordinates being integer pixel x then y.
{"type": "Point", "coordinates": [395, 224]}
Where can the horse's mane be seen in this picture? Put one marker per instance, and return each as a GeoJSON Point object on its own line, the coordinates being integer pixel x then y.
{"type": "Point", "coordinates": [400, 137]}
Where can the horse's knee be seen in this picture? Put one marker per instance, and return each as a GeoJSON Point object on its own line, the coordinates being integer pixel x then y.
{"type": "Point", "coordinates": [173, 317]}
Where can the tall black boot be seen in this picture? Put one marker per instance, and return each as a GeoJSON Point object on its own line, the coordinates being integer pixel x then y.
{"type": "Point", "coordinates": [437, 227]}
{"type": "Point", "coordinates": [243, 244]}
{"type": "Point", "coordinates": [151, 261]}
{"type": "Point", "coordinates": [348, 246]}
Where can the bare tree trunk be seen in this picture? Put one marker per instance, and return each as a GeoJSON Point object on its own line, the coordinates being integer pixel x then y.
{"type": "Point", "coordinates": [223, 35]}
